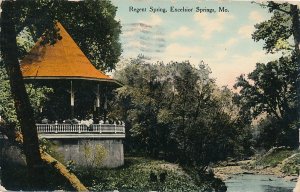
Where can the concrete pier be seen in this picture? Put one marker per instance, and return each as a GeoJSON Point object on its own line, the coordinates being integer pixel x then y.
{"type": "Point", "coordinates": [100, 145]}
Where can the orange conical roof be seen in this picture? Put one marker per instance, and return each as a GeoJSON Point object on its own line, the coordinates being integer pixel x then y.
{"type": "Point", "coordinates": [63, 60]}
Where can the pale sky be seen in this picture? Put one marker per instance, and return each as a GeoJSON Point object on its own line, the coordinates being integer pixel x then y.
{"type": "Point", "coordinates": [221, 40]}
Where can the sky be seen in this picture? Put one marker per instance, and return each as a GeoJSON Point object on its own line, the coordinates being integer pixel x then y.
{"type": "Point", "coordinates": [222, 40]}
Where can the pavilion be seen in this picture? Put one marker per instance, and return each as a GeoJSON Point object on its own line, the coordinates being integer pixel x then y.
{"type": "Point", "coordinates": [65, 61]}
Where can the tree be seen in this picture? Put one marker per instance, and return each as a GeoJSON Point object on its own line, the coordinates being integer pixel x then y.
{"type": "Point", "coordinates": [286, 14]}
{"type": "Point", "coordinates": [140, 101]}
{"type": "Point", "coordinates": [37, 97]}
{"type": "Point", "coordinates": [283, 26]}
{"type": "Point", "coordinates": [39, 18]}
{"type": "Point", "coordinates": [271, 90]}
{"type": "Point", "coordinates": [24, 111]}
{"type": "Point", "coordinates": [97, 33]}
{"type": "Point", "coordinates": [176, 112]}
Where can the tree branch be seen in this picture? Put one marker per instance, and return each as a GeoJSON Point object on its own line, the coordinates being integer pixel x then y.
{"type": "Point", "coordinates": [273, 6]}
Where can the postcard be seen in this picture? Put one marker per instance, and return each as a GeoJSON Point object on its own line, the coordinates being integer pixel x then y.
{"type": "Point", "coordinates": [149, 95]}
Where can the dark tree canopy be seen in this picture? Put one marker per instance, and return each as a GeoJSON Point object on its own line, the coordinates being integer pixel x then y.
{"type": "Point", "coordinates": [270, 88]}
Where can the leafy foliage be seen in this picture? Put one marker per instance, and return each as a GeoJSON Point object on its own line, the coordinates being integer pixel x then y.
{"type": "Point", "coordinates": [278, 28]}
{"type": "Point", "coordinates": [277, 32]}
{"type": "Point", "coordinates": [270, 88]}
{"type": "Point", "coordinates": [135, 176]}
{"type": "Point", "coordinates": [176, 111]}
{"type": "Point", "coordinates": [269, 93]}
{"type": "Point", "coordinates": [37, 95]}
{"type": "Point", "coordinates": [97, 33]}
{"type": "Point", "coordinates": [7, 111]}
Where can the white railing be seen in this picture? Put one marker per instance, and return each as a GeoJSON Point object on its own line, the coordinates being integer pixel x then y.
{"type": "Point", "coordinates": [78, 128]}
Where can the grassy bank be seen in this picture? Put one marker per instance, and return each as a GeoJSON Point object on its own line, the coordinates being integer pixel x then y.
{"type": "Point", "coordinates": [139, 174]}
{"type": "Point", "coordinates": [281, 162]}
{"type": "Point", "coordinates": [286, 161]}
{"type": "Point", "coordinates": [273, 157]}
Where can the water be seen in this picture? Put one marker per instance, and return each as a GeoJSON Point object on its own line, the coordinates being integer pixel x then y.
{"type": "Point", "coordinates": [258, 183]}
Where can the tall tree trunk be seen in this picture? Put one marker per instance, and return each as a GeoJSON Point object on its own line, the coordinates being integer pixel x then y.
{"type": "Point", "coordinates": [23, 107]}
{"type": "Point", "coordinates": [296, 33]}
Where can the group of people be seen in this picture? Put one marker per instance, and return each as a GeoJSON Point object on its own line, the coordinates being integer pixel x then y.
{"type": "Point", "coordinates": [88, 121]}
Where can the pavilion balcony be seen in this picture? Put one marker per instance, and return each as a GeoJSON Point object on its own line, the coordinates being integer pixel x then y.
{"type": "Point", "coordinates": [81, 131]}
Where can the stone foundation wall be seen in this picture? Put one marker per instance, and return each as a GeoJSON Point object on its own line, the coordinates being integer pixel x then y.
{"type": "Point", "coordinates": [91, 152]}
{"type": "Point", "coordinates": [84, 152]}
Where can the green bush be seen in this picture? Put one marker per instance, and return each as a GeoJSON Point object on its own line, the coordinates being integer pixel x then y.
{"type": "Point", "coordinates": [139, 174]}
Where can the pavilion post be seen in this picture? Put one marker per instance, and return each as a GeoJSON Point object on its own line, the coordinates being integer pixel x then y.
{"type": "Point", "coordinates": [97, 105]}
{"type": "Point", "coordinates": [72, 93]}
{"type": "Point", "coordinates": [105, 105]}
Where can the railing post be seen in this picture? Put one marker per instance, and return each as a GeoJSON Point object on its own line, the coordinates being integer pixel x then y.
{"type": "Point", "coordinates": [115, 128]}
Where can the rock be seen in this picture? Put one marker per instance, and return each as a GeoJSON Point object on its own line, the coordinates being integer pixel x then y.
{"type": "Point", "coordinates": [248, 173]}
{"type": "Point", "coordinates": [232, 164]}
{"type": "Point", "coordinates": [294, 179]}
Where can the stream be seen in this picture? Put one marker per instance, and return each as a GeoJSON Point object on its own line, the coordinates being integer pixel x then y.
{"type": "Point", "coordinates": [258, 183]}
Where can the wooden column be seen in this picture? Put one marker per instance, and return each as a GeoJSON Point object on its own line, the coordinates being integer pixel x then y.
{"type": "Point", "coordinates": [72, 93]}
{"type": "Point", "coordinates": [97, 116]}
{"type": "Point", "coordinates": [105, 105]}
